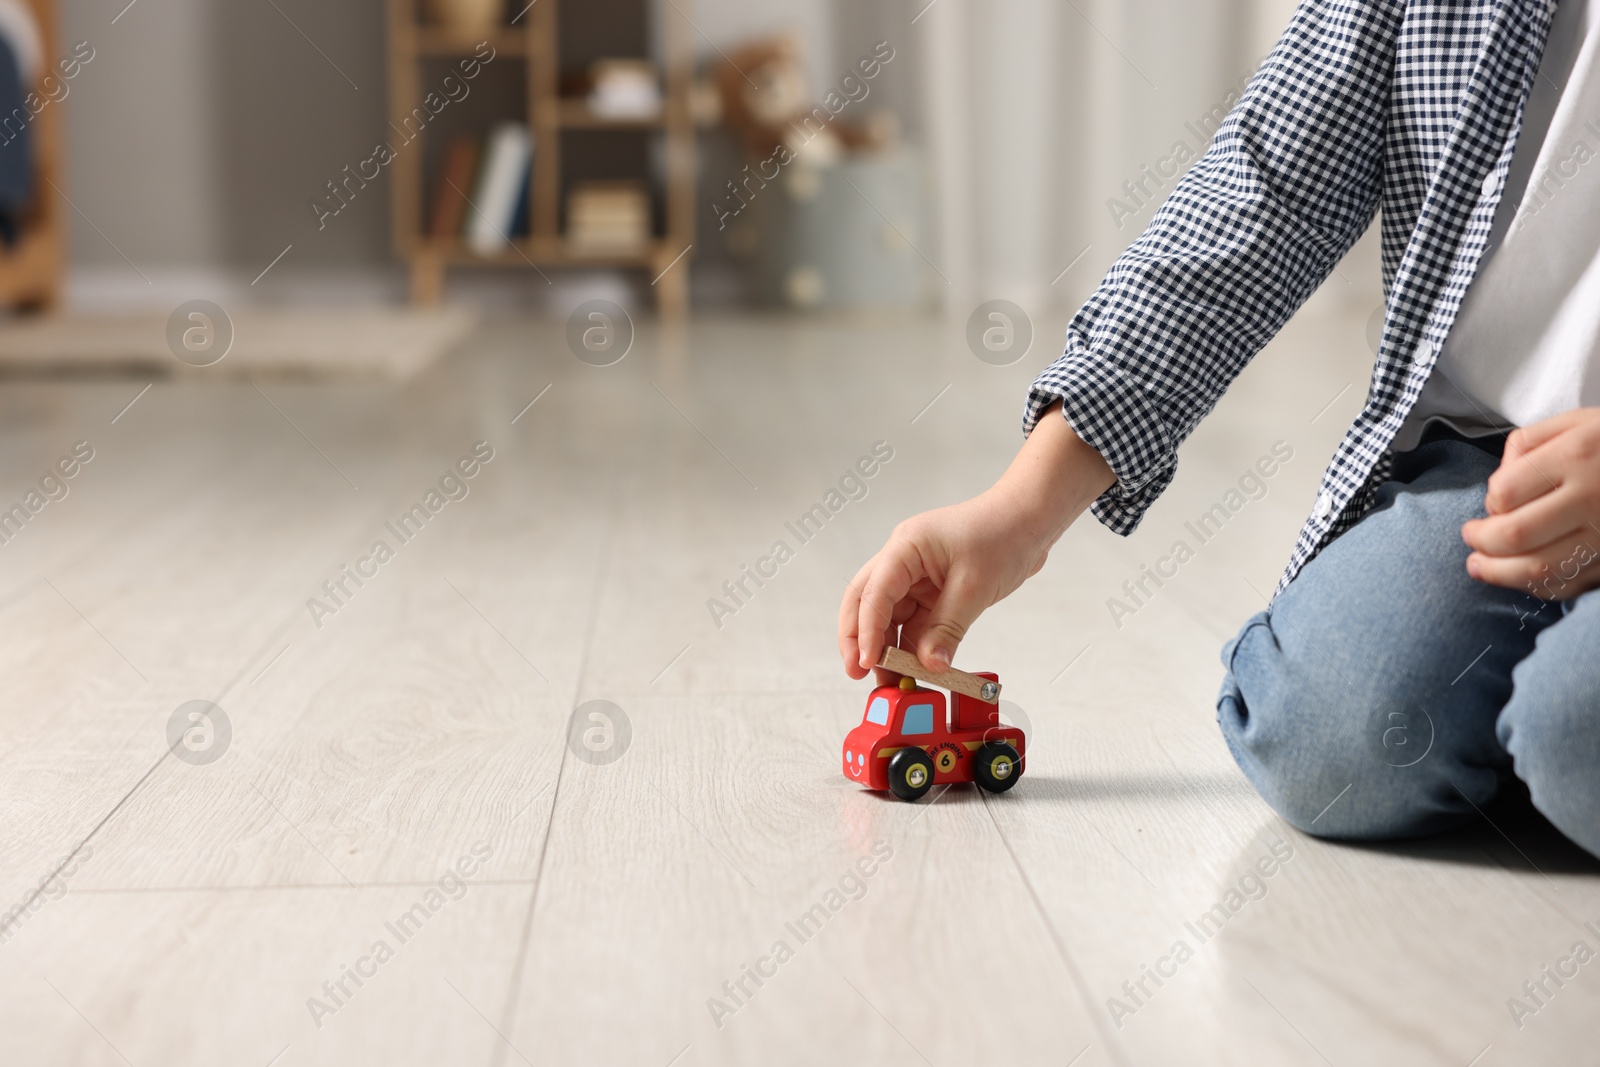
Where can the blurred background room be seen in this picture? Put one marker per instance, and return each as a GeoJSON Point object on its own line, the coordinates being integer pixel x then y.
{"type": "Point", "coordinates": [986, 148]}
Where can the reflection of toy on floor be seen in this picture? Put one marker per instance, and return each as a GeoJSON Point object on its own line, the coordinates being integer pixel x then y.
{"type": "Point", "coordinates": [907, 744]}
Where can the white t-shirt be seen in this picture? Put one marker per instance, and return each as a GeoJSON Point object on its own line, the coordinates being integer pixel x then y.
{"type": "Point", "coordinates": [1526, 344]}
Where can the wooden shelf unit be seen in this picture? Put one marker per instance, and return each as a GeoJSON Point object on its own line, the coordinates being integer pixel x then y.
{"type": "Point", "coordinates": [534, 43]}
{"type": "Point", "coordinates": [433, 41]}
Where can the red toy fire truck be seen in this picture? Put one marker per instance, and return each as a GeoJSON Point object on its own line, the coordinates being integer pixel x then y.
{"type": "Point", "coordinates": [907, 744]}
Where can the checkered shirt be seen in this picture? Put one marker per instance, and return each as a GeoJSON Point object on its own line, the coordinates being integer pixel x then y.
{"type": "Point", "coordinates": [1409, 107]}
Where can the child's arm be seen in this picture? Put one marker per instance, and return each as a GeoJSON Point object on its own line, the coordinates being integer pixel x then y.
{"type": "Point", "coordinates": [940, 570]}
{"type": "Point", "coordinates": [1290, 182]}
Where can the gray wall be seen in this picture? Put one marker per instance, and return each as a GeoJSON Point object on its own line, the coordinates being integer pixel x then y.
{"type": "Point", "coordinates": [200, 130]}
{"type": "Point", "coordinates": [140, 159]}
{"type": "Point", "coordinates": [287, 120]}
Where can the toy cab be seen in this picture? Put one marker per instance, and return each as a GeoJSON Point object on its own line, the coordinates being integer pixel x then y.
{"type": "Point", "coordinates": [908, 742]}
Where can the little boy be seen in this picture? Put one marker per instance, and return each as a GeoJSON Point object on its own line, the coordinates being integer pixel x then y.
{"type": "Point", "coordinates": [1433, 633]}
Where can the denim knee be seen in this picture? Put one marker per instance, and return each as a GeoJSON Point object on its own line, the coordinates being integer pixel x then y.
{"type": "Point", "coordinates": [1551, 724]}
{"type": "Point", "coordinates": [1339, 741]}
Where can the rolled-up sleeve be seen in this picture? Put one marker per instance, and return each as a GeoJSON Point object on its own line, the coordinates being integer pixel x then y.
{"type": "Point", "coordinates": [1290, 182]}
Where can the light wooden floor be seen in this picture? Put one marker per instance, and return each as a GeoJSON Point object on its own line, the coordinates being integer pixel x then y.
{"type": "Point", "coordinates": [206, 905]}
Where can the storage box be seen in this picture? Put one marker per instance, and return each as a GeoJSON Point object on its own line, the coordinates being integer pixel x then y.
{"type": "Point", "coordinates": [844, 234]}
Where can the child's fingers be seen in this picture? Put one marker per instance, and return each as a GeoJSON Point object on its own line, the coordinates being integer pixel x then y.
{"type": "Point", "coordinates": [1527, 438]}
{"type": "Point", "coordinates": [935, 632]}
{"type": "Point", "coordinates": [850, 655]}
{"type": "Point", "coordinates": [887, 587]}
{"type": "Point", "coordinates": [855, 641]}
{"type": "Point", "coordinates": [849, 619]}
{"type": "Point", "coordinates": [1532, 526]}
{"type": "Point", "coordinates": [911, 632]}
{"type": "Point", "coordinates": [1537, 458]}
{"type": "Point", "coordinates": [890, 577]}
{"type": "Point", "coordinates": [1521, 478]}
{"type": "Point", "coordinates": [895, 589]}
{"type": "Point", "coordinates": [958, 607]}
{"type": "Point", "coordinates": [1559, 571]}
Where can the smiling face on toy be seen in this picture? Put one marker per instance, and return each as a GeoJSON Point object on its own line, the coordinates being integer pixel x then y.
{"type": "Point", "coordinates": [863, 753]}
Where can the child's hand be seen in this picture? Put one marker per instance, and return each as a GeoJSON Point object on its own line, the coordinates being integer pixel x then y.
{"type": "Point", "coordinates": [940, 570]}
{"type": "Point", "coordinates": [1543, 529]}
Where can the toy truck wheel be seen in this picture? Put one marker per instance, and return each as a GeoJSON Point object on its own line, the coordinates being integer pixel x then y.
{"type": "Point", "coordinates": [910, 773]}
{"type": "Point", "coordinates": [996, 766]}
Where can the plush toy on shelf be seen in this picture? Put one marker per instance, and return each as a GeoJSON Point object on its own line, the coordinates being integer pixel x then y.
{"type": "Point", "coordinates": [767, 102]}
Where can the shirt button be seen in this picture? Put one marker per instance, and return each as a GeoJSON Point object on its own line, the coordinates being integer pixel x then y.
{"type": "Point", "coordinates": [1324, 505]}
{"type": "Point", "coordinates": [1491, 183]}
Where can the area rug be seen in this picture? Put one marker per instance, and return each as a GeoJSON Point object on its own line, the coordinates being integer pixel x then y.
{"type": "Point", "coordinates": [375, 343]}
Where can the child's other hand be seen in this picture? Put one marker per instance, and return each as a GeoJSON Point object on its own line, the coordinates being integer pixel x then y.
{"type": "Point", "coordinates": [1543, 529]}
{"type": "Point", "coordinates": [940, 570]}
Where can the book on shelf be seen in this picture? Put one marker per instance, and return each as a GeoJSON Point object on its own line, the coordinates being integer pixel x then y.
{"type": "Point", "coordinates": [501, 187]}
{"type": "Point", "coordinates": [448, 214]}
{"type": "Point", "coordinates": [608, 217]}
{"type": "Point", "coordinates": [520, 222]}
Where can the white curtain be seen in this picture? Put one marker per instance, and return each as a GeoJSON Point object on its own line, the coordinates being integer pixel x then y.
{"type": "Point", "coordinates": [1040, 117]}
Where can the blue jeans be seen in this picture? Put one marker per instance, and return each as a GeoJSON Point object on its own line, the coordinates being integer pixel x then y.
{"type": "Point", "coordinates": [1387, 694]}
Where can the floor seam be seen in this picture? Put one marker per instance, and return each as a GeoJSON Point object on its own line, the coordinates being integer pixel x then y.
{"type": "Point", "coordinates": [114, 890]}
{"type": "Point", "coordinates": [508, 1009]}
{"type": "Point", "coordinates": [1093, 1013]}
{"type": "Point", "coordinates": [21, 909]}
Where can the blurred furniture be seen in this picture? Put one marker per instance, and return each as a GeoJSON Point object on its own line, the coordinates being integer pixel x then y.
{"type": "Point", "coordinates": [764, 98]}
{"type": "Point", "coordinates": [624, 89]}
{"type": "Point", "coordinates": [843, 234]}
{"type": "Point", "coordinates": [608, 217]}
{"type": "Point", "coordinates": [468, 18]}
{"type": "Point", "coordinates": [30, 270]}
{"type": "Point", "coordinates": [533, 41]}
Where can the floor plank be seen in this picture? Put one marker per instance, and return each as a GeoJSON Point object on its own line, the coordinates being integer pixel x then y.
{"type": "Point", "coordinates": [736, 803]}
